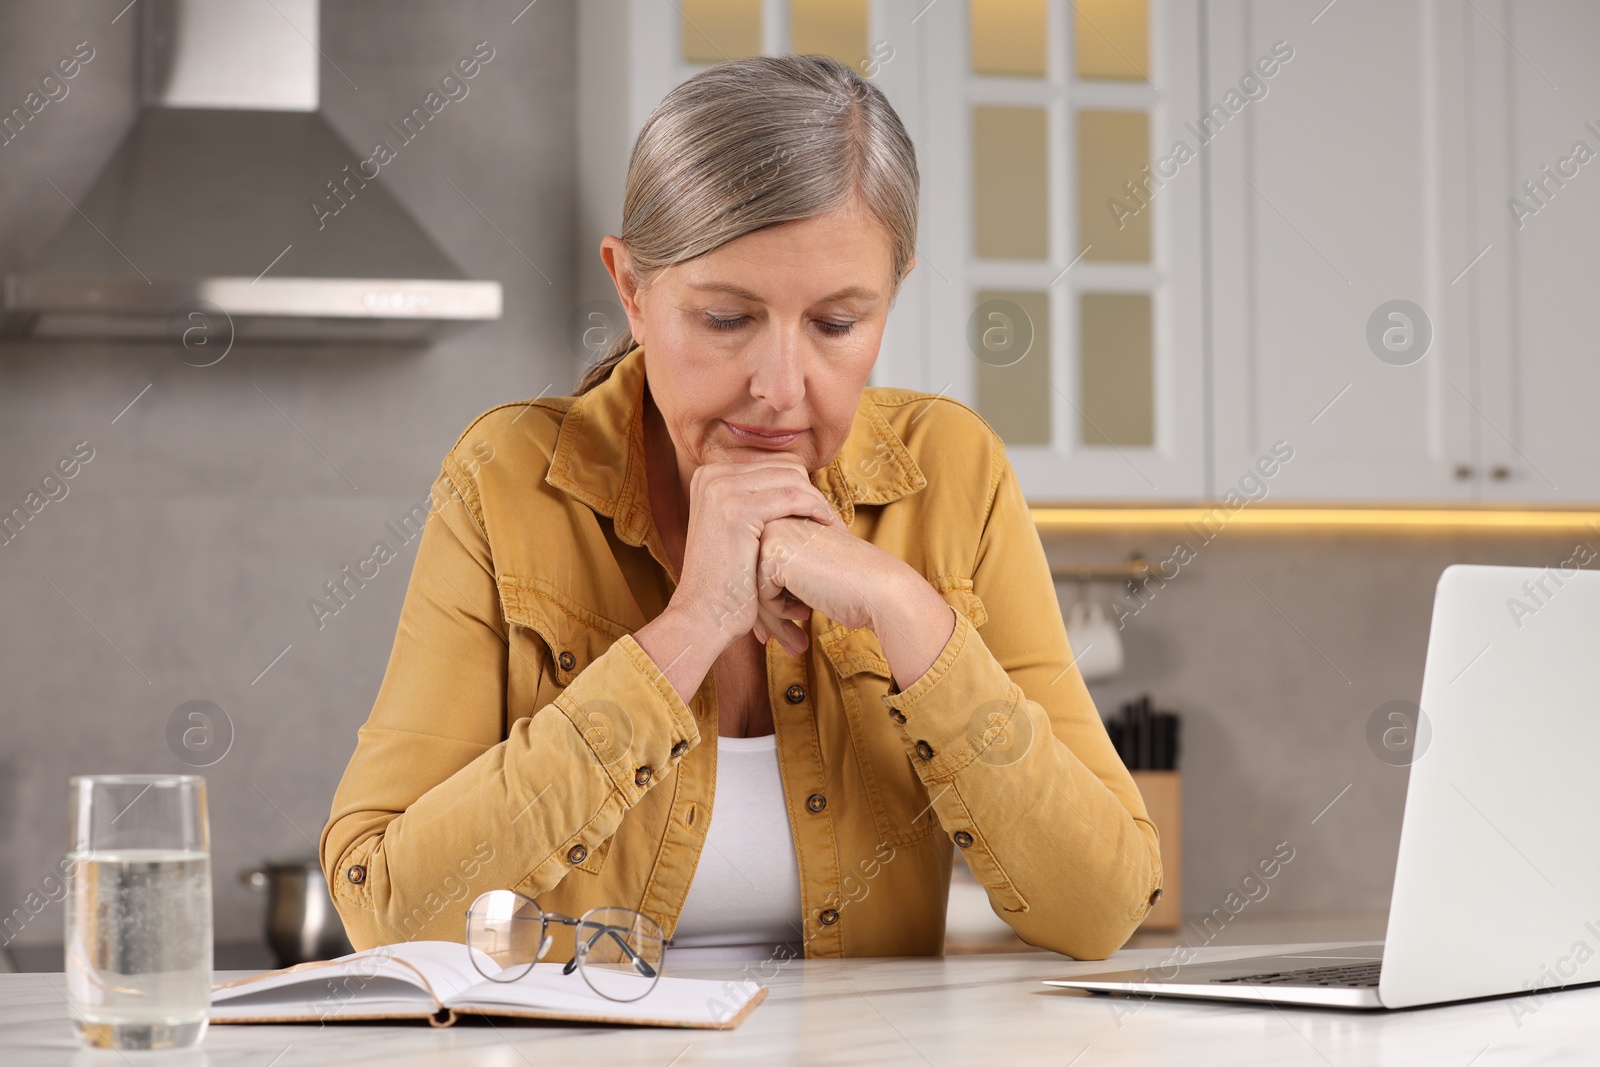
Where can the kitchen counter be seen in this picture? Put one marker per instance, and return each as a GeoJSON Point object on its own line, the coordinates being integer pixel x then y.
{"type": "Point", "coordinates": [955, 1010]}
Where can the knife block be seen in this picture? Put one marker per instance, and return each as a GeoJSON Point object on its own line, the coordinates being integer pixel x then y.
{"type": "Point", "coordinates": [1163, 800]}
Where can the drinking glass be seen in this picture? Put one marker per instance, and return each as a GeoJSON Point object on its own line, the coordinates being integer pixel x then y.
{"type": "Point", "coordinates": [138, 920]}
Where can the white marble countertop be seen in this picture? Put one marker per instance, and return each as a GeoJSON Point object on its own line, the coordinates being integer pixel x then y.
{"type": "Point", "coordinates": [985, 1009]}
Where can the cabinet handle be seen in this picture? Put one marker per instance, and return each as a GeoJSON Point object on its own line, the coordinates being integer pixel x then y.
{"type": "Point", "coordinates": [1463, 472]}
{"type": "Point", "coordinates": [1500, 473]}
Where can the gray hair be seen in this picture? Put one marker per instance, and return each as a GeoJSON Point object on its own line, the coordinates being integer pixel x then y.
{"type": "Point", "coordinates": [753, 142]}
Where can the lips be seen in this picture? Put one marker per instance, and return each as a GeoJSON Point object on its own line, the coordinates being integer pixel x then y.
{"type": "Point", "coordinates": [762, 438]}
{"type": "Point", "coordinates": [764, 432]}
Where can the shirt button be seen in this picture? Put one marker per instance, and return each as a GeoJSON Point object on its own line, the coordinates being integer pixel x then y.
{"type": "Point", "coordinates": [816, 802]}
{"type": "Point", "coordinates": [641, 777]}
{"type": "Point", "coordinates": [795, 694]}
{"type": "Point", "coordinates": [577, 854]}
{"type": "Point", "coordinates": [567, 661]}
{"type": "Point", "coordinates": [897, 715]}
{"type": "Point", "coordinates": [924, 750]}
{"type": "Point", "coordinates": [1155, 897]}
{"type": "Point", "coordinates": [679, 749]}
{"type": "Point", "coordinates": [356, 874]}
{"type": "Point", "coordinates": [963, 839]}
{"type": "Point", "coordinates": [828, 917]}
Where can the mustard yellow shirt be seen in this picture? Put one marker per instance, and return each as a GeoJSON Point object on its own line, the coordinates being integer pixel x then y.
{"type": "Point", "coordinates": [522, 739]}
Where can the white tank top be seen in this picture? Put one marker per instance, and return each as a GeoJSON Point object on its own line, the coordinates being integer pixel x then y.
{"type": "Point", "coordinates": [744, 901]}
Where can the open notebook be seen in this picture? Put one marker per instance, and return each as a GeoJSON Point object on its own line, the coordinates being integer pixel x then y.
{"type": "Point", "coordinates": [435, 980]}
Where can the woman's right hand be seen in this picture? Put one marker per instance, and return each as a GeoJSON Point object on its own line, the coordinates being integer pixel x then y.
{"type": "Point", "coordinates": [729, 505]}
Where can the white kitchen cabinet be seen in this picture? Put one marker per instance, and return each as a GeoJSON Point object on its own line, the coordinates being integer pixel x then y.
{"type": "Point", "coordinates": [1536, 169]}
{"type": "Point", "coordinates": [1080, 446]}
{"type": "Point", "coordinates": [1341, 189]}
{"type": "Point", "coordinates": [1382, 167]}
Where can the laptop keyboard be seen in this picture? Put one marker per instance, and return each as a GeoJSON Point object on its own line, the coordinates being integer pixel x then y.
{"type": "Point", "coordinates": [1344, 976]}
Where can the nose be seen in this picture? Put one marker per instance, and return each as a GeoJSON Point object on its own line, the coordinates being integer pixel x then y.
{"type": "Point", "coordinates": [779, 376]}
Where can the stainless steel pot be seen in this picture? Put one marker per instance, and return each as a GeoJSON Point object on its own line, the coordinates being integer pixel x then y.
{"type": "Point", "coordinates": [302, 924]}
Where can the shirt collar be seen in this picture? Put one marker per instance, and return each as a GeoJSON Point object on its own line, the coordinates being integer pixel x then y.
{"type": "Point", "coordinates": [599, 455]}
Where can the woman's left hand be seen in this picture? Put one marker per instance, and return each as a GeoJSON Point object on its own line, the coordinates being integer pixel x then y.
{"type": "Point", "coordinates": [803, 565]}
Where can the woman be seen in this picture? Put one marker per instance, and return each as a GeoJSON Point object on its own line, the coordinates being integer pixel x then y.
{"type": "Point", "coordinates": [728, 637]}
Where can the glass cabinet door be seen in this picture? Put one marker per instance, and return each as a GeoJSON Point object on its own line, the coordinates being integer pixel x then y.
{"type": "Point", "coordinates": [1058, 278]}
{"type": "Point", "coordinates": [1065, 226]}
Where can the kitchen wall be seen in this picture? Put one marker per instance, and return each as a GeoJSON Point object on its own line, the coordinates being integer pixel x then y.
{"type": "Point", "coordinates": [179, 565]}
{"type": "Point", "coordinates": [1277, 647]}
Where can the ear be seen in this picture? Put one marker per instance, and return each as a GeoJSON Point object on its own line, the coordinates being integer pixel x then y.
{"type": "Point", "coordinates": [614, 254]}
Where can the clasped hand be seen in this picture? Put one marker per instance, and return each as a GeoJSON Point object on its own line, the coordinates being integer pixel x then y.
{"type": "Point", "coordinates": [764, 547]}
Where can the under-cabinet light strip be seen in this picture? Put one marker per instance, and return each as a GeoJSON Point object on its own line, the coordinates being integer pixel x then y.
{"type": "Point", "coordinates": [1379, 518]}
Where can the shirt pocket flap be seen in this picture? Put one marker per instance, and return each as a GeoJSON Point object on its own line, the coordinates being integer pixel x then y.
{"type": "Point", "coordinates": [575, 635]}
{"type": "Point", "coordinates": [853, 651]}
{"type": "Point", "coordinates": [596, 860]}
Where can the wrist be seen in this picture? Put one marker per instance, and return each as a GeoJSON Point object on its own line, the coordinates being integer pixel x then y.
{"type": "Point", "coordinates": [703, 624]}
{"type": "Point", "coordinates": [905, 593]}
{"type": "Point", "coordinates": [913, 624]}
{"type": "Point", "coordinates": [680, 648]}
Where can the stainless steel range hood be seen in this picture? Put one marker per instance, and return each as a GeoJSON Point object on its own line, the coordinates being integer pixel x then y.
{"type": "Point", "coordinates": [214, 196]}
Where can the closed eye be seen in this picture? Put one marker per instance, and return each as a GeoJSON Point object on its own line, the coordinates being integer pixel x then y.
{"type": "Point", "coordinates": [832, 329]}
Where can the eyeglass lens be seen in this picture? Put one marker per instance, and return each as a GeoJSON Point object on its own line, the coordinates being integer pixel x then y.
{"type": "Point", "coordinates": [619, 952]}
{"type": "Point", "coordinates": [509, 928]}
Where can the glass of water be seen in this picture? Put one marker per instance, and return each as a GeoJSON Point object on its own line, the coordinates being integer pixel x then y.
{"type": "Point", "coordinates": [138, 920]}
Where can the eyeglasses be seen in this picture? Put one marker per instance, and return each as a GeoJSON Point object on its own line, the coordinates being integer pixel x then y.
{"type": "Point", "coordinates": [618, 951]}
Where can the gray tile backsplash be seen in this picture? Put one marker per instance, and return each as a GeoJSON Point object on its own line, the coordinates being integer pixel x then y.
{"type": "Point", "coordinates": [1277, 647]}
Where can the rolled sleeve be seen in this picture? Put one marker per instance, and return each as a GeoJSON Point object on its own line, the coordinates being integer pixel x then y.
{"type": "Point", "coordinates": [953, 708]}
{"type": "Point", "coordinates": [591, 704]}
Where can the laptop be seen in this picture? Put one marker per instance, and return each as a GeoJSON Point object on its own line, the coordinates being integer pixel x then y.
{"type": "Point", "coordinates": [1497, 881]}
